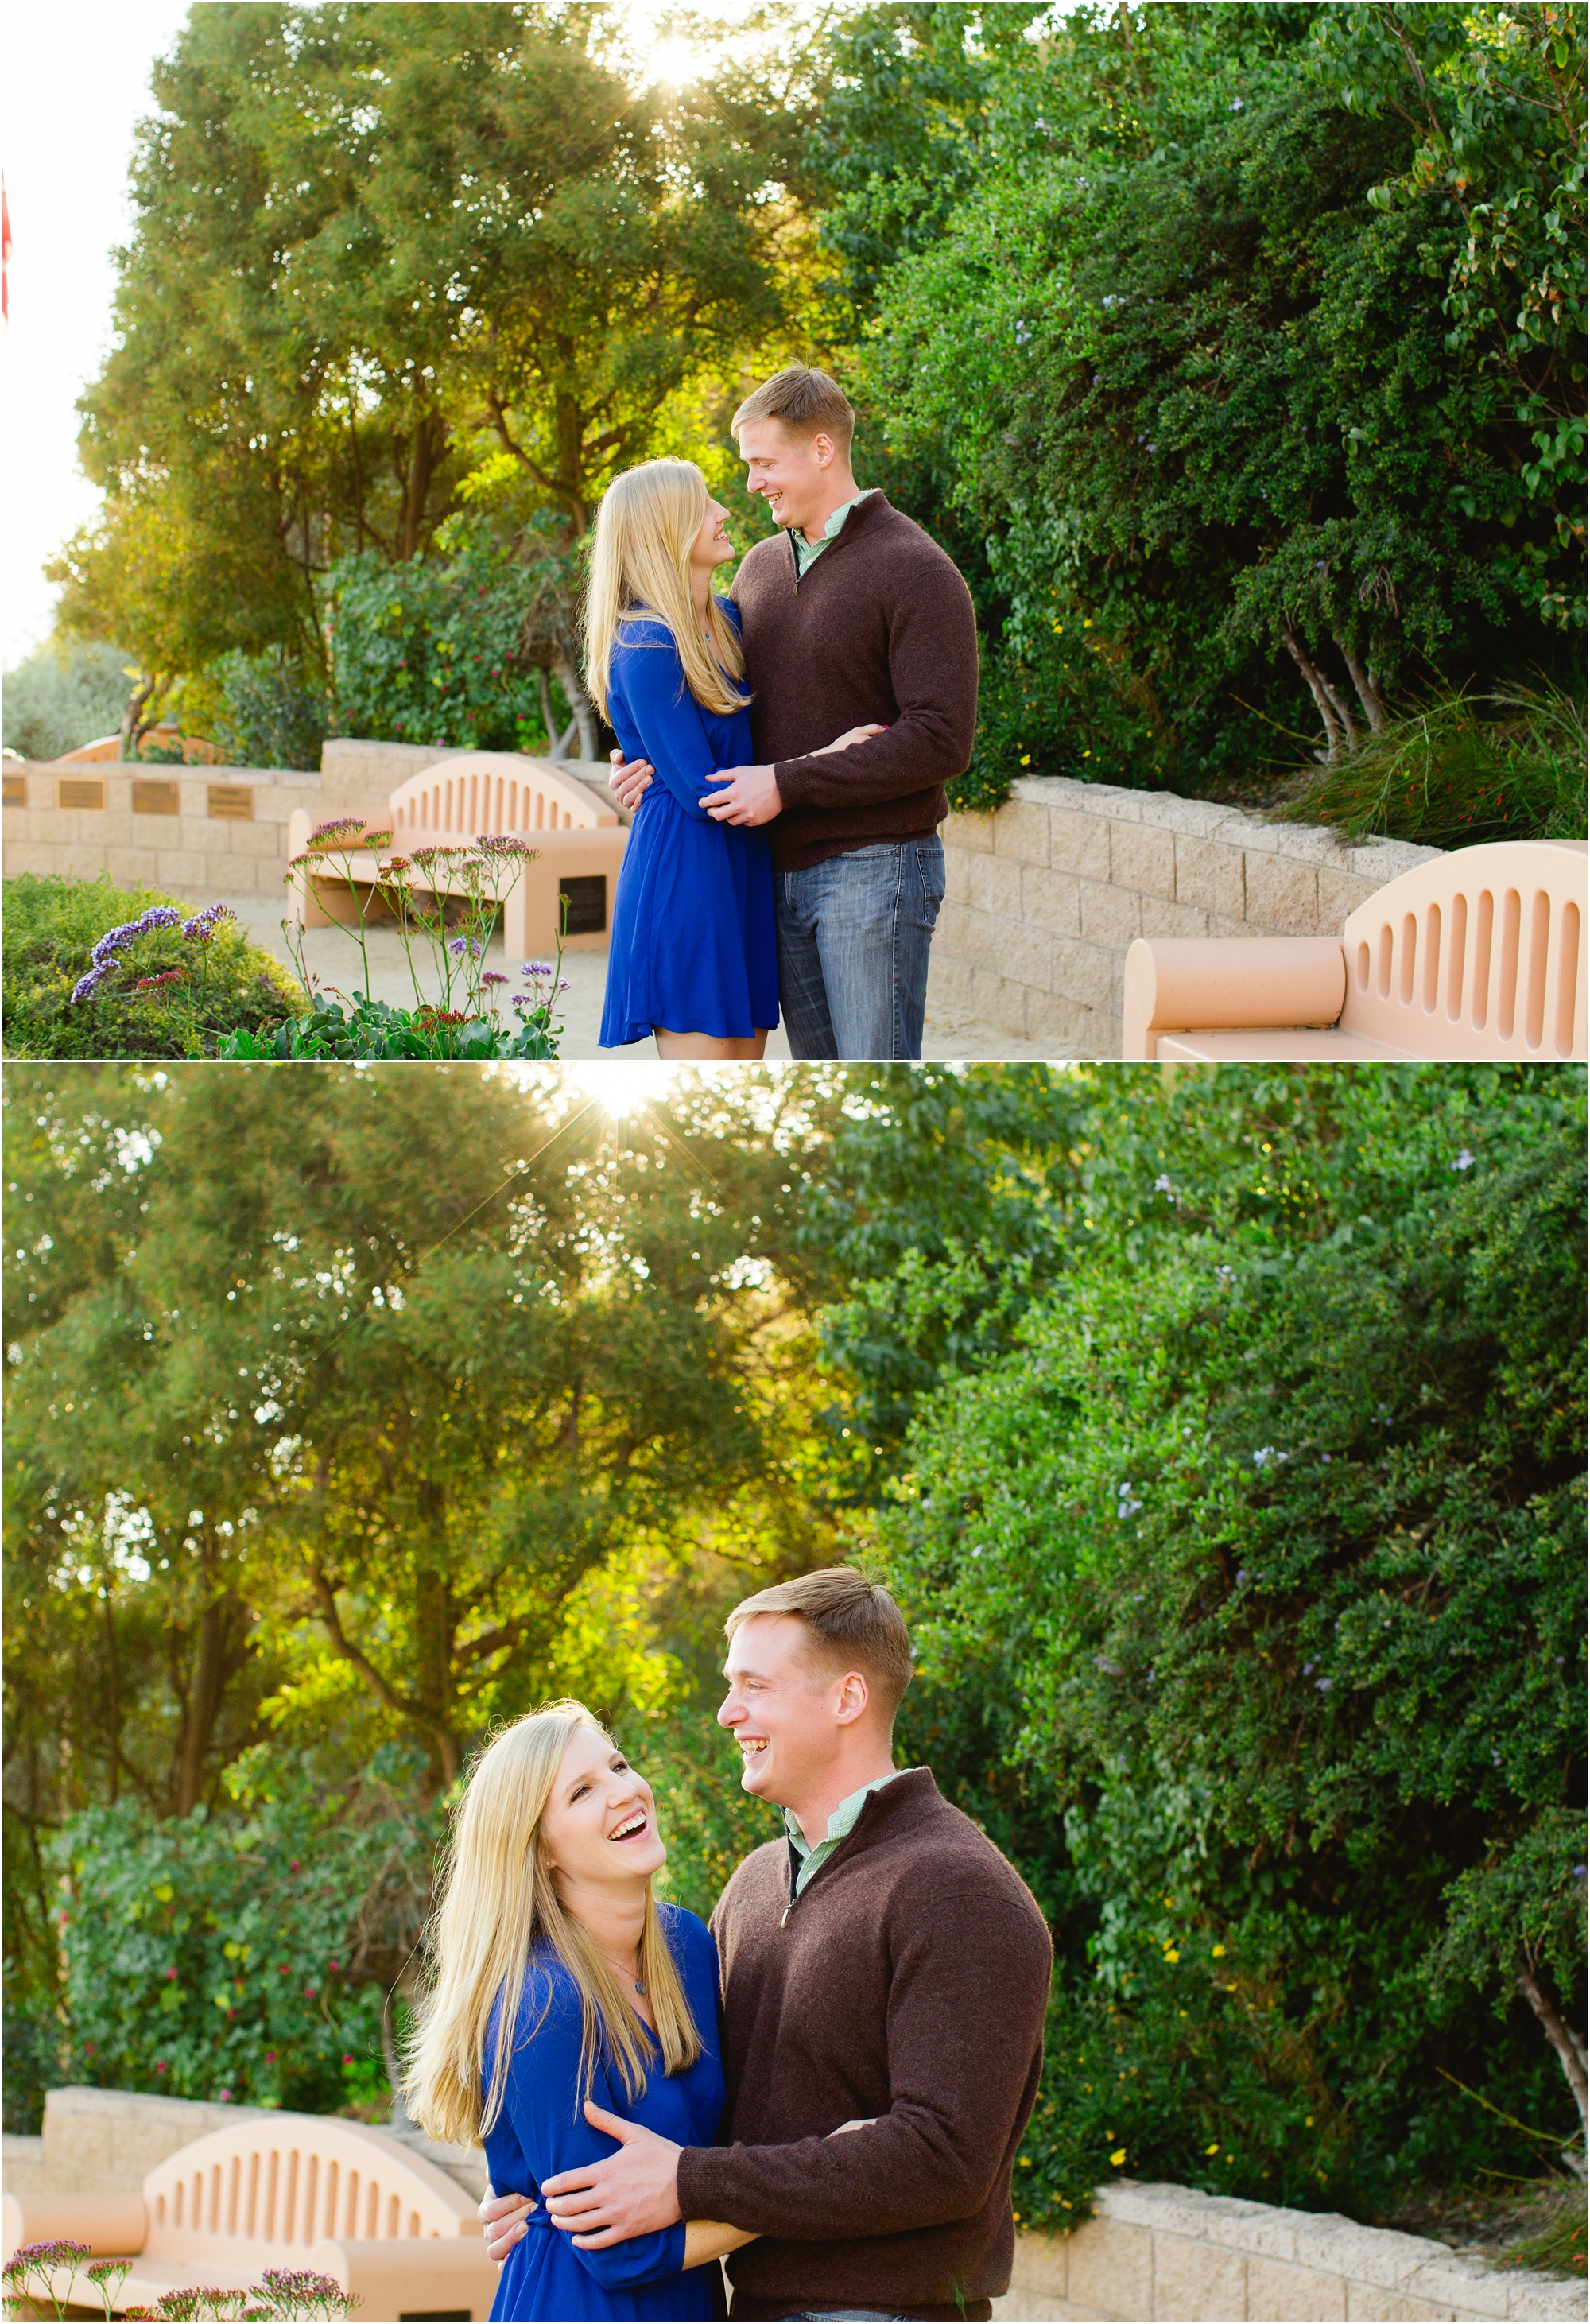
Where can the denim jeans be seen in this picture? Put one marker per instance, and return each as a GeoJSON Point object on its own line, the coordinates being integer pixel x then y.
{"type": "Point", "coordinates": [853, 937]}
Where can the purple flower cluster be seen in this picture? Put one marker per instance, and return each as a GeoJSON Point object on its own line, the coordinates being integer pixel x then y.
{"type": "Point", "coordinates": [202, 927]}
{"type": "Point", "coordinates": [470, 945]}
{"type": "Point", "coordinates": [104, 960]}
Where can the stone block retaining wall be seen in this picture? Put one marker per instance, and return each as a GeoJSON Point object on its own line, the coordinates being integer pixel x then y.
{"type": "Point", "coordinates": [223, 829]}
{"type": "Point", "coordinates": [1168, 2252]}
{"type": "Point", "coordinates": [1150, 2253]}
{"type": "Point", "coordinates": [1044, 895]}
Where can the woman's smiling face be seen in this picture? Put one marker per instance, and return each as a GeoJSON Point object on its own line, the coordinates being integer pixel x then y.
{"type": "Point", "coordinates": [599, 1825]}
{"type": "Point", "coordinates": [712, 546]}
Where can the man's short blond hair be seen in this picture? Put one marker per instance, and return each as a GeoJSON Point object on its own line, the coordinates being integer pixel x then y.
{"type": "Point", "coordinates": [805, 403]}
{"type": "Point", "coordinates": [854, 1625]}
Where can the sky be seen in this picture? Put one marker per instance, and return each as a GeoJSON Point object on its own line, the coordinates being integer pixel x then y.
{"type": "Point", "coordinates": [76, 85]}
{"type": "Point", "coordinates": [77, 82]}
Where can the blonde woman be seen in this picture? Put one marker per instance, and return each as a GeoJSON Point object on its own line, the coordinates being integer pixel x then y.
{"type": "Point", "coordinates": [694, 954]}
{"type": "Point", "coordinates": [566, 2003]}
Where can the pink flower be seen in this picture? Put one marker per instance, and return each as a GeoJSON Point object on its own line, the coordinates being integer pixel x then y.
{"type": "Point", "coordinates": [159, 2065]}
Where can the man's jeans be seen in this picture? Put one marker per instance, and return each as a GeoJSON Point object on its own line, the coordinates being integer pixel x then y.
{"type": "Point", "coordinates": [853, 937]}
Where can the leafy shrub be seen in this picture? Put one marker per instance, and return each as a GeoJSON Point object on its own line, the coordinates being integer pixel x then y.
{"type": "Point", "coordinates": [259, 710]}
{"type": "Point", "coordinates": [197, 987]}
{"type": "Point", "coordinates": [1255, 1564]}
{"type": "Point", "coordinates": [65, 693]}
{"type": "Point", "coordinates": [1465, 769]}
{"type": "Point", "coordinates": [429, 651]}
{"type": "Point", "coordinates": [218, 1957]}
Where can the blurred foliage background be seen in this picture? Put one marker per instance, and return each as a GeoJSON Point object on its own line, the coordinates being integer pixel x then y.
{"type": "Point", "coordinates": [1221, 1433]}
{"type": "Point", "coordinates": [1236, 353]}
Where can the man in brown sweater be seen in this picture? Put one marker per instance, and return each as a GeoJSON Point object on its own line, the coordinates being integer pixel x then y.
{"type": "Point", "coordinates": [883, 1970]}
{"type": "Point", "coordinates": [851, 617]}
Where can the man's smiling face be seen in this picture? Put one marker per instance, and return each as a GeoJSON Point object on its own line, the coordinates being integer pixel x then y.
{"type": "Point", "coordinates": [791, 474]}
{"type": "Point", "coordinates": [780, 1710]}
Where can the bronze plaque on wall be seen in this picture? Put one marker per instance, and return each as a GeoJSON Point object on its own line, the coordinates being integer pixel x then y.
{"type": "Point", "coordinates": [232, 802]}
{"type": "Point", "coordinates": [155, 799]}
{"type": "Point", "coordinates": [85, 793]}
{"type": "Point", "coordinates": [17, 790]}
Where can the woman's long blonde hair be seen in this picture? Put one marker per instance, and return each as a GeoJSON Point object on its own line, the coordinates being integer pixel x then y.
{"type": "Point", "coordinates": [645, 529]}
{"type": "Point", "coordinates": [498, 1899]}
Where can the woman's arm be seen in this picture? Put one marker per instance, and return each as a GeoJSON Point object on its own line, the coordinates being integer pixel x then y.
{"type": "Point", "coordinates": [707, 2239]}
{"type": "Point", "coordinates": [668, 718]}
{"type": "Point", "coordinates": [553, 2135]}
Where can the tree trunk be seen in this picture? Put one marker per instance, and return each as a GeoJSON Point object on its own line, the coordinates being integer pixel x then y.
{"type": "Point", "coordinates": [1336, 737]}
{"type": "Point", "coordinates": [135, 724]}
{"type": "Point", "coordinates": [582, 705]}
{"type": "Point", "coordinates": [1570, 2049]}
{"type": "Point", "coordinates": [547, 719]}
{"type": "Point", "coordinates": [223, 1649]}
{"type": "Point", "coordinates": [113, 1698]}
{"type": "Point", "coordinates": [1367, 688]}
{"type": "Point", "coordinates": [422, 464]}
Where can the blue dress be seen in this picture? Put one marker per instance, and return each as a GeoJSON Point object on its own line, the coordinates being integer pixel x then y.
{"type": "Point", "coordinates": [542, 2130]}
{"type": "Point", "coordinates": [693, 947]}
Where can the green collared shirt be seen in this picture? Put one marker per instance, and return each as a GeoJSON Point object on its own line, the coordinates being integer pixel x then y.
{"type": "Point", "coordinates": [807, 551]}
{"type": "Point", "coordinates": [842, 1823]}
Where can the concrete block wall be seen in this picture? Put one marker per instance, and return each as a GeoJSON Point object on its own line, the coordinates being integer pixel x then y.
{"type": "Point", "coordinates": [1155, 2252]}
{"type": "Point", "coordinates": [1044, 896]}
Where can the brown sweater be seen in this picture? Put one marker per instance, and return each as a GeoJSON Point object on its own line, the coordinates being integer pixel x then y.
{"type": "Point", "coordinates": [880, 630]}
{"type": "Point", "coordinates": [909, 1982]}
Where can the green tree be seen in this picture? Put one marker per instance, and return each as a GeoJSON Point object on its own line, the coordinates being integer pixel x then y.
{"type": "Point", "coordinates": [369, 241]}
{"type": "Point", "coordinates": [1209, 354]}
{"type": "Point", "coordinates": [1255, 1563]}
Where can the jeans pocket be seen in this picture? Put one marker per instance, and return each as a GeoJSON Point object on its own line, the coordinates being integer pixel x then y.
{"type": "Point", "coordinates": [930, 863]}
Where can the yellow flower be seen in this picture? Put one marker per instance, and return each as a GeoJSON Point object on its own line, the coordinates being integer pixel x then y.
{"type": "Point", "coordinates": [1309, 2120]}
{"type": "Point", "coordinates": [1118, 2157]}
{"type": "Point", "coordinates": [1065, 2206]}
{"type": "Point", "coordinates": [1220, 1953]}
{"type": "Point", "coordinates": [1213, 2150]}
{"type": "Point", "coordinates": [1026, 758]}
{"type": "Point", "coordinates": [1171, 1954]}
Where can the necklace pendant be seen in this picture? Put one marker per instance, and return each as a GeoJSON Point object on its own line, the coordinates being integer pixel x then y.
{"type": "Point", "coordinates": [639, 1989]}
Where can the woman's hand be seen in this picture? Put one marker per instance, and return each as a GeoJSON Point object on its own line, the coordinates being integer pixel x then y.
{"type": "Point", "coordinates": [707, 2239]}
{"type": "Point", "coordinates": [865, 2123]}
{"type": "Point", "coordinates": [504, 2218]}
{"type": "Point", "coordinates": [851, 735]}
{"type": "Point", "coordinates": [630, 780]}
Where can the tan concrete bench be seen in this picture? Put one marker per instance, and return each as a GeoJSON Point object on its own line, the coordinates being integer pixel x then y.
{"type": "Point", "coordinates": [1480, 955]}
{"type": "Point", "coordinates": [292, 2190]}
{"type": "Point", "coordinates": [448, 805]}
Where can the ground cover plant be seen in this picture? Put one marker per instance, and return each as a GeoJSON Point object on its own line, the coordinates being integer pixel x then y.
{"type": "Point", "coordinates": [95, 970]}
{"type": "Point", "coordinates": [1460, 771]}
{"type": "Point", "coordinates": [452, 922]}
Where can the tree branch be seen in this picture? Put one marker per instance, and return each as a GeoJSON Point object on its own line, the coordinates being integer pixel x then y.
{"type": "Point", "coordinates": [1570, 2049]}
{"type": "Point", "coordinates": [343, 1646]}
